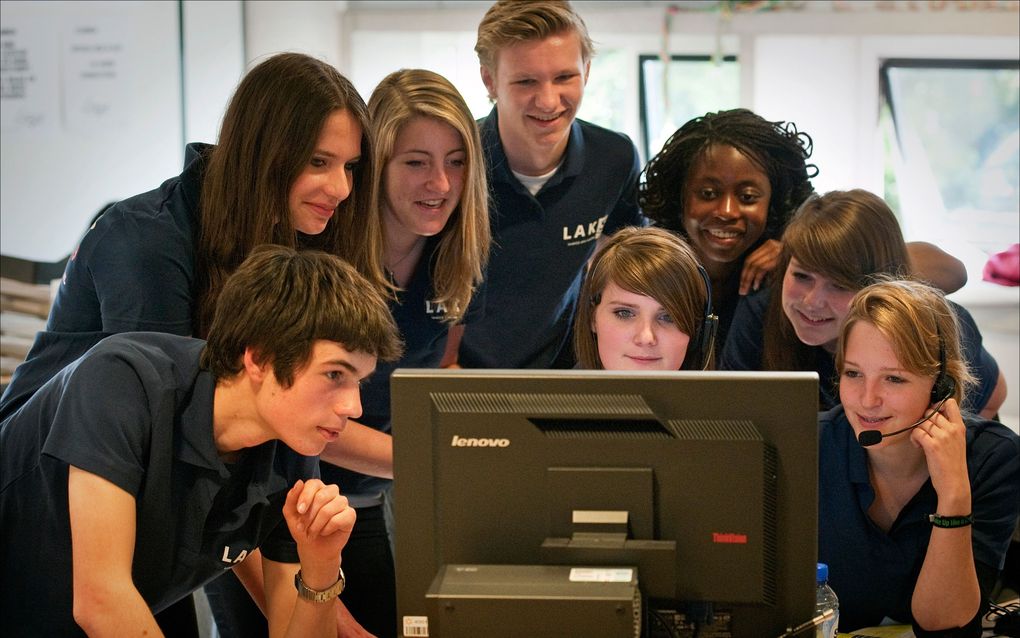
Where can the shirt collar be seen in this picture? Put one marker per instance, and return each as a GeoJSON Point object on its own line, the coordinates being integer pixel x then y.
{"type": "Point", "coordinates": [195, 155]}
{"type": "Point", "coordinates": [196, 445]}
{"type": "Point", "coordinates": [499, 165]}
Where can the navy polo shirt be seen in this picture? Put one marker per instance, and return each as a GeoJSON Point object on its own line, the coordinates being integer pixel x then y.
{"type": "Point", "coordinates": [422, 327]}
{"type": "Point", "coordinates": [873, 572]}
{"type": "Point", "coordinates": [137, 411]}
{"type": "Point", "coordinates": [541, 244]}
{"type": "Point", "coordinates": [134, 270]}
{"type": "Point", "coordinates": [745, 345]}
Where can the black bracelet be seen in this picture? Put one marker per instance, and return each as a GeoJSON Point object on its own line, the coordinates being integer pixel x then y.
{"type": "Point", "coordinates": [950, 522]}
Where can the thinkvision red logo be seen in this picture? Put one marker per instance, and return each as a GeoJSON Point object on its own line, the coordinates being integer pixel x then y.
{"type": "Point", "coordinates": [729, 538]}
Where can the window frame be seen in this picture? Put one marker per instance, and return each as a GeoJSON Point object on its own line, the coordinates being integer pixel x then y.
{"type": "Point", "coordinates": [884, 83]}
{"type": "Point", "coordinates": [642, 98]}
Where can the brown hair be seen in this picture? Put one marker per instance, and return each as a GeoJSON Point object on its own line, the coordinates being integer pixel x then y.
{"type": "Point", "coordinates": [464, 243]}
{"type": "Point", "coordinates": [268, 135]}
{"type": "Point", "coordinates": [651, 262]}
{"type": "Point", "coordinates": [846, 236]}
{"type": "Point", "coordinates": [920, 324]}
{"type": "Point", "coordinates": [509, 22]}
{"type": "Point", "coordinates": [280, 301]}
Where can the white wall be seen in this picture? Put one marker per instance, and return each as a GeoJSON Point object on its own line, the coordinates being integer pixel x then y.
{"type": "Point", "coordinates": [303, 26]}
{"type": "Point", "coordinates": [101, 121]}
{"type": "Point", "coordinates": [56, 174]}
{"type": "Point", "coordinates": [214, 59]}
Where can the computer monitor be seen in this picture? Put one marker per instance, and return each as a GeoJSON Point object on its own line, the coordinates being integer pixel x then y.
{"type": "Point", "coordinates": [706, 482]}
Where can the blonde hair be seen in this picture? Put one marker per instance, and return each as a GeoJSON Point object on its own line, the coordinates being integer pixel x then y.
{"type": "Point", "coordinates": [509, 22]}
{"type": "Point", "coordinates": [918, 322]}
{"type": "Point", "coordinates": [464, 243]}
{"type": "Point", "coordinates": [651, 262]}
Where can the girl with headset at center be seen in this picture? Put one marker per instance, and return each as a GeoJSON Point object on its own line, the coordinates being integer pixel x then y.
{"type": "Point", "coordinates": [645, 305]}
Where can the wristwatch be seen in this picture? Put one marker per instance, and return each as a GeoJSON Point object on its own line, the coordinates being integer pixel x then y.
{"type": "Point", "coordinates": [316, 596]}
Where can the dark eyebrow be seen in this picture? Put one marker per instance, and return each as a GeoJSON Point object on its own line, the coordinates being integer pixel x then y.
{"type": "Point", "coordinates": [619, 303]}
{"type": "Point", "coordinates": [320, 151]}
{"type": "Point", "coordinates": [343, 363]}
{"type": "Point", "coordinates": [347, 365]}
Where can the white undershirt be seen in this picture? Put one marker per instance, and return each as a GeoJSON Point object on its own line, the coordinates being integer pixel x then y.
{"type": "Point", "coordinates": [534, 183]}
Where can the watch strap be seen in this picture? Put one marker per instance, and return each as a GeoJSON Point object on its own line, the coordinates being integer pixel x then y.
{"type": "Point", "coordinates": [316, 596]}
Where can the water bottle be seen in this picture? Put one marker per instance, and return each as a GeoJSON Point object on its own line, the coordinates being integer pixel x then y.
{"type": "Point", "coordinates": [825, 600]}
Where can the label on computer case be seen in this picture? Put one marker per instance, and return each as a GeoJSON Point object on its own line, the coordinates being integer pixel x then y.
{"type": "Point", "coordinates": [600, 575]}
{"type": "Point", "coordinates": [416, 626]}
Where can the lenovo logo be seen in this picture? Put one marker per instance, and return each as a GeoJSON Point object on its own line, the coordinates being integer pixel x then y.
{"type": "Point", "coordinates": [461, 441]}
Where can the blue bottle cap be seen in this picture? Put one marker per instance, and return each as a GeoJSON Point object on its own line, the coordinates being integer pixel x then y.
{"type": "Point", "coordinates": [821, 573]}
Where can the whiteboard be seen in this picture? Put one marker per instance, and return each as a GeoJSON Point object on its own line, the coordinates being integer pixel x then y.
{"type": "Point", "coordinates": [90, 112]}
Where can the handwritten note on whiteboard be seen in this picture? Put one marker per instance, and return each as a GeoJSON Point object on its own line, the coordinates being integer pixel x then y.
{"type": "Point", "coordinates": [29, 95]}
{"type": "Point", "coordinates": [96, 92]}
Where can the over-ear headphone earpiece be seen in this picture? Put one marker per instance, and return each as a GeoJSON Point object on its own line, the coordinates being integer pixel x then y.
{"type": "Point", "coordinates": [705, 340]}
{"type": "Point", "coordinates": [945, 385]}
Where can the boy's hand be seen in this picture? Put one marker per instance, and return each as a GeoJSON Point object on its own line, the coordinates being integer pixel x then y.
{"type": "Point", "coordinates": [320, 520]}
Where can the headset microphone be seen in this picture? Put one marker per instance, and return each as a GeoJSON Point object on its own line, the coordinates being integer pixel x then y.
{"type": "Point", "coordinates": [874, 437]}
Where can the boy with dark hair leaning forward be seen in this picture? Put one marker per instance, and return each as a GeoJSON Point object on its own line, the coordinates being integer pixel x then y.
{"type": "Point", "coordinates": [154, 462]}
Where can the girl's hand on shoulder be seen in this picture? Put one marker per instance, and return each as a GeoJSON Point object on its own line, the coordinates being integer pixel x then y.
{"type": "Point", "coordinates": [943, 438]}
{"type": "Point", "coordinates": [759, 265]}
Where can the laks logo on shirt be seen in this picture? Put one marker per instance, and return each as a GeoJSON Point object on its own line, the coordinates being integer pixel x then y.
{"type": "Point", "coordinates": [582, 234]}
{"type": "Point", "coordinates": [226, 558]}
{"type": "Point", "coordinates": [435, 309]}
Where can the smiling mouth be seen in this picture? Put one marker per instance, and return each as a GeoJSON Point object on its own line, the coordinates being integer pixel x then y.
{"type": "Point", "coordinates": [430, 203]}
{"type": "Point", "coordinates": [872, 422]}
{"type": "Point", "coordinates": [545, 119]}
{"type": "Point", "coordinates": [812, 321]}
{"type": "Point", "coordinates": [723, 234]}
